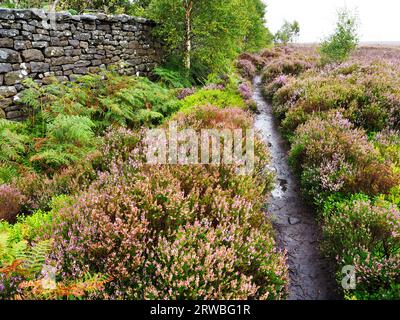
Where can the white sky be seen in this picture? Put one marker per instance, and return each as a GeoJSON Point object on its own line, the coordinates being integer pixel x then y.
{"type": "Point", "coordinates": [379, 20]}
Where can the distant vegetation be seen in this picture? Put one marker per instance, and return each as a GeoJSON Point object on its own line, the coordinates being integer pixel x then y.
{"type": "Point", "coordinates": [338, 46]}
{"type": "Point", "coordinates": [288, 33]}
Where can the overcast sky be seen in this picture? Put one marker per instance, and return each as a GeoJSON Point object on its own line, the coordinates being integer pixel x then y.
{"type": "Point", "coordinates": [379, 20]}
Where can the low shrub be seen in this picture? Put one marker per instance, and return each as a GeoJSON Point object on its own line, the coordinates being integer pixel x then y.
{"type": "Point", "coordinates": [13, 144]}
{"type": "Point", "coordinates": [202, 262]}
{"type": "Point", "coordinates": [338, 46]}
{"type": "Point", "coordinates": [246, 90]}
{"type": "Point", "coordinates": [39, 189]}
{"type": "Point", "coordinates": [183, 93]}
{"type": "Point", "coordinates": [133, 219]}
{"type": "Point", "coordinates": [246, 68]}
{"type": "Point", "coordinates": [106, 98]}
{"type": "Point", "coordinates": [324, 153]}
{"type": "Point", "coordinates": [366, 93]}
{"type": "Point", "coordinates": [11, 201]}
{"type": "Point", "coordinates": [291, 65]}
{"type": "Point", "coordinates": [366, 234]}
{"type": "Point", "coordinates": [215, 97]}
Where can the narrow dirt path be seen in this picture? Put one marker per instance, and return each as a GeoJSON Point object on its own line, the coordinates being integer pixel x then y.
{"type": "Point", "coordinates": [297, 230]}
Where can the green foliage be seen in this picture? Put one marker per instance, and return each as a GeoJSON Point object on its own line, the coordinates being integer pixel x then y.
{"type": "Point", "coordinates": [217, 32]}
{"type": "Point", "coordinates": [9, 251]}
{"type": "Point", "coordinates": [215, 97]}
{"type": "Point", "coordinates": [12, 142]}
{"type": "Point", "coordinates": [172, 78]}
{"type": "Point", "coordinates": [76, 130]}
{"type": "Point", "coordinates": [7, 173]}
{"type": "Point", "coordinates": [288, 33]}
{"type": "Point", "coordinates": [338, 46]}
{"type": "Point", "coordinates": [68, 138]}
{"type": "Point", "coordinates": [32, 227]}
{"type": "Point", "coordinates": [364, 233]}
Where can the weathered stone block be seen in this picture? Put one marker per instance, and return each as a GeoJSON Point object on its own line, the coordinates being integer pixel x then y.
{"type": "Point", "coordinates": [6, 14]}
{"type": "Point", "coordinates": [62, 60]}
{"type": "Point", "coordinates": [84, 45]}
{"type": "Point", "coordinates": [14, 77]}
{"type": "Point", "coordinates": [5, 67]}
{"type": "Point", "coordinates": [9, 33]}
{"type": "Point", "coordinates": [74, 43]}
{"type": "Point", "coordinates": [41, 37]}
{"type": "Point", "coordinates": [32, 55]}
{"type": "Point", "coordinates": [22, 45]}
{"type": "Point", "coordinates": [56, 42]}
{"type": "Point", "coordinates": [7, 91]}
{"type": "Point", "coordinates": [39, 44]}
{"type": "Point", "coordinates": [23, 14]}
{"type": "Point", "coordinates": [39, 67]}
{"type": "Point", "coordinates": [5, 102]}
{"type": "Point", "coordinates": [14, 114]}
{"type": "Point", "coordinates": [6, 43]}
{"type": "Point", "coordinates": [54, 52]}
{"type": "Point", "coordinates": [9, 56]}
{"type": "Point", "coordinates": [28, 27]}
{"type": "Point", "coordinates": [83, 36]}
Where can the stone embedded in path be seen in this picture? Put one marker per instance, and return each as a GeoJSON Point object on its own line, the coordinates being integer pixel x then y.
{"type": "Point", "coordinates": [294, 221]}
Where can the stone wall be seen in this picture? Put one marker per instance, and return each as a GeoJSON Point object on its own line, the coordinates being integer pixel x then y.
{"type": "Point", "coordinates": [42, 45]}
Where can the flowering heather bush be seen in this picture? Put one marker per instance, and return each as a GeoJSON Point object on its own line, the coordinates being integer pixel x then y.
{"type": "Point", "coordinates": [366, 234]}
{"type": "Point", "coordinates": [293, 65]}
{"type": "Point", "coordinates": [209, 116]}
{"type": "Point", "coordinates": [9, 285]}
{"type": "Point", "coordinates": [246, 68]}
{"type": "Point", "coordinates": [202, 262]}
{"type": "Point", "coordinates": [368, 94]}
{"type": "Point", "coordinates": [183, 93]}
{"type": "Point", "coordinates": [11, 201]}
{"type": "Point", "coordinates": [38, 189]}
{"type": "Point", "coordinates": [325, 153]}
{"type": "Point", "coordinates": [202, 223]}
{"type": "Point", "coordinates": [256, 59]}
{"type": "Point", "coordinates": [272, 53]}
{"type": "Point", "coordinates": [271, 88]}
{"type": "Point", "coordinates": [246, 90]}
{"type": "Point", "coordinates": [214, 86]}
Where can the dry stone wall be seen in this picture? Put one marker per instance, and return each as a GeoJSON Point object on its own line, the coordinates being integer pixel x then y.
{"type": "Point", "coordinates": [44, 46]}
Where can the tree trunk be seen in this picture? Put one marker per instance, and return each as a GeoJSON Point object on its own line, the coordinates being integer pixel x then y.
{"type": "Point", "coordinates": [188, 34]}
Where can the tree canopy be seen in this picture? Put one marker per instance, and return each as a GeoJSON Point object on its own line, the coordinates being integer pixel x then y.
{"type": "Point", "coordinates": [207, 33]}
{"type": "Point", "coordinates": [289, 32]}
{"type": "Point", "coordinates": [338, 46]}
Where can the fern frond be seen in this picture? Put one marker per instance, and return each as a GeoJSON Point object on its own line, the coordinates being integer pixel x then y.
{"type": "Point", "coordinates": [35, 257]}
